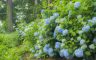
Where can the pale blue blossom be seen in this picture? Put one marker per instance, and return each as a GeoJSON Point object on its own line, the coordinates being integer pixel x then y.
{"type": "Point", "coordinates": [55, 14]}
{"type": "Point", "coordinates": [47, 21]}
{"type": "Point", "coordinates": [36, 33]}
{"type": "Point", "coordinates": [64, 53]}
{"type": "Point", "coordinates": [36, 47]}
{"type": "Point", "coordinates": [86, 28]}
{"type": "Point", "coordinates": [57, 45]}
{"type": "Point", "coordinates": [42, 10]}
{"type": "Point", "coordinates": [82, 42]}
{"type": "Point", "coordinates": [46, 48]}
{"type": "Point", "coordinates": [41, 38]}
{"type": "Point", "coordinates": [54, 34]}
{"type": "Point", "coordinates": [61, 53]}
{"type": "Point", "coordinates": [65, 32]}
{"type": "Point", "coordinates": [78, 52]}
{"type": "Point", "coordinates": [60, 30]}
{"type": "Point", "coordinates": [50, 52]}
{"type": "Point", "coordinates": [52, 17]}
{"type": "Point", "coordinates": [94, 20]}
{"type": "Point", "coordinates": [22, 33]}
{"type": "Point", "coordinates": [94, 40]}
{"type": "Point", "coordinates": [77, 4]}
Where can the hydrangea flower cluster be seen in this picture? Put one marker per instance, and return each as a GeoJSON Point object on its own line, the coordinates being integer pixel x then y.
{"type": "Point", "coordinates": [58, 29]}
{"type": "Point", "coordinates": [64, 32]}
{"type": "Point", "coordinates": [64, 53]}
{"type": "Point", "coordinates": [79, 52]}
{"type": "Point", "coordinates": [57, 45]}
{"type": "Point", "coordinates": [52, 18]}
{"type": "Point", "coordinates": [76, 4]}
{"type": "Point", "coordinates": [85, 28]}
{"type": "Point", "coordinates": [94, 40]}
{"type": "Point", "coordinates": [48, 50]}
{"type": "Point", "coordinates": [66, 36]}
{"type": "Point", "coordinates": [82, 42]}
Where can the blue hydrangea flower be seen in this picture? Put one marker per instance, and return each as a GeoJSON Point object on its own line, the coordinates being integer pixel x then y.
{"type": "Point", "coordinates": [76, 4]}
{"type": "Point", "coordinates": [61, 53]}
{"type": "Point", "coordinates": [64, 53]}
{"type": "Point", "coordinates": [50, 52]}
{"type": "Point", "coordinates": [94, 40]}
{"type": "Point", "coordinates": [65, 32]}
{"type": "Point", "coordinates": [42, 10]}
{"type": "Point", "coordinates": [94, 20]}
{"type": "Point", "coordinates": [47, 21]}
{"type": "Point", "coordinates": [86, 28]}
{"type": "Point", "coordinates": [36, 34]}
{"type": "Point", "coordinates": [82, 42]}
{"type": "Point", "coordinates": [56, 14]}
{"type": "Point", "coordinates": [41, 38]}
{"type": "Point", "coordinates": [54, 34]}
{"type": "Point", "coordinates": [46, 48]}
{"type": "Point", "coordinates": [36, 47]}
{"type": "Point", "coordinates": [60, 30]}
{"type": "Point", "coordinates": [57, 45]}
{"type": "Point", "coordinates": [78, 52]}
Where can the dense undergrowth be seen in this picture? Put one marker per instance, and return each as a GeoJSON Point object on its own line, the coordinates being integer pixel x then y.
{"type": "Point", "coordinates": [11, 49]}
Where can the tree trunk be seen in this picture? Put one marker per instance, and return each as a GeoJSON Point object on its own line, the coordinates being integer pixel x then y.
{"type": "Point", "coordinates": [35, 8]}
{"type": "Point", "coordinates": [9, 15]}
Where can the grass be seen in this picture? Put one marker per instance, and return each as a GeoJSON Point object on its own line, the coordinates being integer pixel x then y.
{"type": "Point", "coordinates": [11, 49]}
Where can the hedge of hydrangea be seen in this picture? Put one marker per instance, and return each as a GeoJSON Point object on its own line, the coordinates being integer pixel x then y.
{"type": "Point", "coordinates": [68, 32]}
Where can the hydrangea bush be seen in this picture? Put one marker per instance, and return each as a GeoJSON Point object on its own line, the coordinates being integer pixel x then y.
{"type": "Point", "coordinates": [69, 31]}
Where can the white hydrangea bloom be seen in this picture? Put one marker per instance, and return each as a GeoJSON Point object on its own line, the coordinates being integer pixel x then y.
{"type": "Point", "coordinates": [36, 33]}
{"type": "Point", "coordinates": [84, 46]}
{"type": "Point", "coordinates": [79, 16]}
{"type": "Point", "coordinates": [65, 32]}
{"type": "Point", "coordinates": [82, 42]}
{"type": "Point", "coordinates": [92, 46]}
